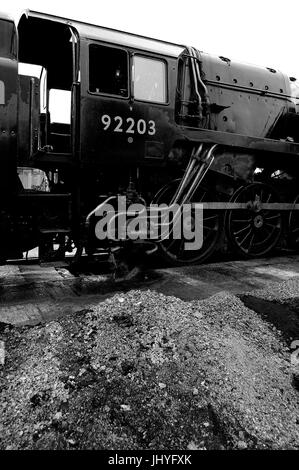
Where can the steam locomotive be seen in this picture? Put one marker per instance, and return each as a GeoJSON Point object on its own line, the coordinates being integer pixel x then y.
{"type": "Point", "coordinates": [148, 120]}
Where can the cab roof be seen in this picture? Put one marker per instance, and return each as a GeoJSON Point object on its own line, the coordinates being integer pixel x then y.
{"type": "Point", "coordinates": [100, 33]}
{"type": "Point", "coordinates": [5, 16]}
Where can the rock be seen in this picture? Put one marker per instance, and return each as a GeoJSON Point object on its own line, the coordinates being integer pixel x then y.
{"type": "Point", "coordinates": [2, 353]}
{"type": "Point", "coordinates": [58, 416]}
{"type": "Point", "coordinates": [5, 327]}
{"type": "Point", "coordinates": [125, 407]}
{"type": "Point", "coordinates": [38, 398]}
{"type": "Point", "coordinates": [125, 319]}
{"type": "Point", "coordinates": [241, 445]}
{"type": "Point", "coordinates": [192, 446]}
{"type": "Point", "coordinates": [127, 366]}
{"type": "Point", "coordinates": [71, 442]}
{"type": "Point", "coordinates": [162, 385]}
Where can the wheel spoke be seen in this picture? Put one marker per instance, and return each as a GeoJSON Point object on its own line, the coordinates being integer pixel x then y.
{"type": "Point", "coordinates": [272, 217]}
{"type": "Point", "coordinates": [210, 229]}
{"type": "Point", "coordinates": [203, 196]}
{"type": "Point", "coordinates": [242, 230]}
{"type": "Point", "coordinates": [245, 238]}
{"type": "Point", "coordinates": [210, 217]}
{"type": "Point", "coordinates": [271, 225]}
{"type": "Point", "coordinates": [242, 220]}
{"type": "Point", "coordinates": [171, 243]}
{"type": "Point", "coordinates": [181, 247]}
{"type": "Point", "coordinates": [269, 230]}
{"type": "Point", "coordinates": [250, 243]}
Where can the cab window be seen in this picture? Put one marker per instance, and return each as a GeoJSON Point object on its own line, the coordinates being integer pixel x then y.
{"type": "Point", "coordinates": [108, 70]}
{"type": "Point", "coordinates": [149, 78]}
{"type": "Point", "coordinates": [7, 39]}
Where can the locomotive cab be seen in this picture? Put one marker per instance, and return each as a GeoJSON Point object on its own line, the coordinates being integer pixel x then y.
{"type": "Point", "coordinates": [120, 93]}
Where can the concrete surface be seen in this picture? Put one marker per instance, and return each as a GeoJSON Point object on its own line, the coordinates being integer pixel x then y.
{"type": "Point", "coordinates": [30, 293]}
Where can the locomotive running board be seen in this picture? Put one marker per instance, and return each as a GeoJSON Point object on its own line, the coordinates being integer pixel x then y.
{"type": "Point", "coordinates": [275, 206]}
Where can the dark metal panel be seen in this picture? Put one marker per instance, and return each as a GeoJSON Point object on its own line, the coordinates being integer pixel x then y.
{"type": "Point", "coordinates": [240, 141]}
{"type": "Point", "coordinates": [245, 99]}
{"type": "Point", "coordinates": [8, 38]}
{"type": "Point", "coordinates": [28, 118]}
{"type": "Point", "coordinates": [8, 116]}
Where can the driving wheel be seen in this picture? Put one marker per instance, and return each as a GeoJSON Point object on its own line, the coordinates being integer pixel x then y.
{"type": "Point", "coordinates": [254, 231]}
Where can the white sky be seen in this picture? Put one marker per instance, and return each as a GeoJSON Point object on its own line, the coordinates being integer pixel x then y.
{"type": "Point", "coordinates": [262, 32]}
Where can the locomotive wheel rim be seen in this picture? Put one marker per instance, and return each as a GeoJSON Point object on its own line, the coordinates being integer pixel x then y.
{"type": "Point", "coordinates": [254, 232]}
{"type": "Point", "coordinates": [293, 227]}
{"type": "Point", "coordinates": [173, 250]}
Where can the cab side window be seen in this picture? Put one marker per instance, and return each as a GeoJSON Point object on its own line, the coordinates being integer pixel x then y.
{"type": "Point", "coordinates": [149, 78]}
{"type": "Point", "coordinates": [108, 70]}
{"type": "Point", "coordinates": [8, 39]}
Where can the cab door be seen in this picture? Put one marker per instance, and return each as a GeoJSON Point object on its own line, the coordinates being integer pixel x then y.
{"type": "Point", "coordinates": [105, 104]}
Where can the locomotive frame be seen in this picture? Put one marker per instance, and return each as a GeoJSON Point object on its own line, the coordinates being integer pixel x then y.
{"type": "Point", "coordinates": [151, 120]}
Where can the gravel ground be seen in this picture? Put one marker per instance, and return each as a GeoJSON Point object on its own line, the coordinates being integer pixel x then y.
{"type": "Point", "coordinates": [286, 290]}
{"type": "Point", "coordinates": [146, 371]}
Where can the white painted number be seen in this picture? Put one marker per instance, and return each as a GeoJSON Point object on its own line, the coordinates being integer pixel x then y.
{"type": "Point", "coordinates": [106, 120]}
{"type": "Point", "coordinates": [130, 129]}
{"type": "Point", "coordinates": [152, 128]}
{"type": "Point", "coordinates": [141, 126]}
{"type": "Point", "coordinates": [120, 122]}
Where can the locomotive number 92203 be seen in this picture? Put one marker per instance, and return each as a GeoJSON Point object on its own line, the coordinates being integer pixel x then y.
{"type": "Point", "coordinates": [128, 125]}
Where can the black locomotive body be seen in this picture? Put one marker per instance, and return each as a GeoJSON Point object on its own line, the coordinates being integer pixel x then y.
{"type": "Point", "coordinates": [146, 119]}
